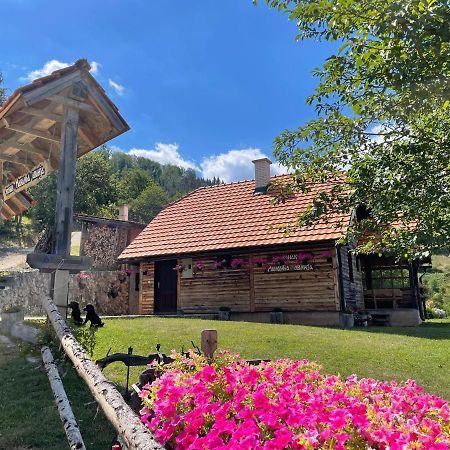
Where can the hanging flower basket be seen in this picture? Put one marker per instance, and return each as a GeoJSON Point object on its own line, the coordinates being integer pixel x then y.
{"type": "Point", "coordinates": [82, 278]}
{"type": "Point", "coordinates": [199, 266]}
{"type": "Point", "coordinates": [328, 254]}
{"type": "Point", "coordinates": [113, 292]}
{"type": "Point", "coordinates": [218, 265]}
{"type": "Point", "coordinates": [179, 268]}
{"type": "Point", "coordinates": [305, 257]}
{"type": "Point", "coordinates": [121, 276]}
{"type": "Point", "coordinates": [258, 261]}
{"type": "Point", "coordinates": [237, 263]}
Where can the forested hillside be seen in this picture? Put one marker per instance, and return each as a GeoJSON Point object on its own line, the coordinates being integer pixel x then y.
{"type": "Point", "coordinates": [105, 179]}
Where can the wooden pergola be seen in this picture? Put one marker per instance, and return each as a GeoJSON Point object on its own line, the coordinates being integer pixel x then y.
{"type": "Point", "coordinates": [44, 126]}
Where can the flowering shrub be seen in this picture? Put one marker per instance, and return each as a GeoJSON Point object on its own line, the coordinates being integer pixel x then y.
{"type": "Point", "coordinates": [286, 404]}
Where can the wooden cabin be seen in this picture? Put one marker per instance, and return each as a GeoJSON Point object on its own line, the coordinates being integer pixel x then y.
{"type": "Point", "coordinates": [219, 248]}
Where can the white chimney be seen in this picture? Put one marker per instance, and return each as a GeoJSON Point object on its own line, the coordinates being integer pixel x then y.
{"type": "Point", "coordinates": [123, 212]}
{"type": "Point", "coordinates": [262, 174]}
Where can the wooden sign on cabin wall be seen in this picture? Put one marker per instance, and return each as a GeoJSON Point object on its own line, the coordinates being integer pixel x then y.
{"type": "Point", "coordinates": [290, 263]}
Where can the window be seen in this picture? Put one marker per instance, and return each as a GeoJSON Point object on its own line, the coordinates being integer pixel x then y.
{"type": "Point", "coordinates": [386, 278]}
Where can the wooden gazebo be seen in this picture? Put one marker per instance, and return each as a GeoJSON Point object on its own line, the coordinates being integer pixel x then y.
{"type": "Point", "coordinates": [44, 126]}
{"type": "Point", "coordinates": [67, 105]}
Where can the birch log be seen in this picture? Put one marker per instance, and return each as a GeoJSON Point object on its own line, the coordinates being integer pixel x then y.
{"type": "Point", "coordinates": [62, 402]}
{"type": "Point", "coordinates": [135, 434]}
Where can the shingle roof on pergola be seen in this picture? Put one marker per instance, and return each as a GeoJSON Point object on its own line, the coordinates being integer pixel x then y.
{"type": "Point", "coordinates": [31, 128]}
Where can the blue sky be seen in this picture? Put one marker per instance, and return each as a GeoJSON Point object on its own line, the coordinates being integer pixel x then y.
{"type": "Point", "coordinates": [202, 83]}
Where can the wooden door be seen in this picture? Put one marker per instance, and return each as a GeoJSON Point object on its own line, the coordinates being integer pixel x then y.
{"type": "Point", "coordinates": [165, 287]}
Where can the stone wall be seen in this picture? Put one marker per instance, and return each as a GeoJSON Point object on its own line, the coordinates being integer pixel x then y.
{"type": "Point", "coordinates": [106, 290]}
{"type": "Point", "coordinates": [27, 289]}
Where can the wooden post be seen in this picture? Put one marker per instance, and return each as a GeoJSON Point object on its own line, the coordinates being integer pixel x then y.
{"type": "Point", "coordinates": [62, 402]}
{"type": "Point", "coordinates": [64, 203]}
{"type": "Point", "coordinates": [209, 343]}
{"type": "Point", "coordinates": [66, 181]}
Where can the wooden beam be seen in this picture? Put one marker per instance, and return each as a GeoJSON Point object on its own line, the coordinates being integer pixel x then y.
{"type": "Point", "coordinates": [103, 104]}
{"type": "Point", "coordinates": [49, 263]}
{"type": "Point", "coordinates": [49, 89]}
{"type": "Point", "coordinates": [66, 181]}
{"type": "Point", "coordinates": [9, 210]}
{"type": "Point", "coordinates": [42, 113]}
{"type": "Point", "coordinates": [32, 132]}
{"type": "Point", "coordinates": [62, 402]}
{"type": "Point", "coordinates": [87, 136]}
{"type": "Point", "coordinates": [12, 143]}
{"type": "Point", "coordinates": [20, 201]}
{"type": "Point", "coordinates": [72, 103]}
{"type": "Point", "coordinates": [135, 434]}
{"type": "Point", "coordinates": [16, 160]}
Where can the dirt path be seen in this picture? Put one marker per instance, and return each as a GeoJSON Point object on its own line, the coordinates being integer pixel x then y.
{"type": "Point", "coordinates": [15, 259]}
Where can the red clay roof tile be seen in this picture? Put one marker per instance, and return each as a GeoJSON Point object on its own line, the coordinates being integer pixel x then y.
{"type": "Point", "coordinates": [228, 216]}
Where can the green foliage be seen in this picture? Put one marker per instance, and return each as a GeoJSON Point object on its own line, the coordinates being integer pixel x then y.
{"type": "Point", "coordinates": [437, 284]}
{"type": "Point", "coordinates": [149, 202]}
{"type": "Point", "coordinates": [28, 417]}
{"type": "Point", "coordinates": [83, 334]}
{"type": "Point", "coordinates": [104, 180]}
{"type": "Point", "coordinates": [382, 104]}
{"type": "Point", "coordinates": [132, 183]}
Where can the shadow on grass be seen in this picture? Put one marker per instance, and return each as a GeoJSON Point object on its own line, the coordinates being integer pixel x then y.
{"type": "Point", "coordinates": [428, 330]}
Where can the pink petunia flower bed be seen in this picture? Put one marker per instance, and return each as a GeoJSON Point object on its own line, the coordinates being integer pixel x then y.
{"type": "Point", "coordinates": [285, 404]}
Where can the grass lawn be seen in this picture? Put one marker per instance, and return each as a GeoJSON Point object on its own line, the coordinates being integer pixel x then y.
{"type": "Point", "coordinates": [28, 416]}
{"type": "Point", "coordinates": [421, 353]}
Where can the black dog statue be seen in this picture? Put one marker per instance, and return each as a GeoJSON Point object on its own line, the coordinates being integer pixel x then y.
{"type": "Point", "coordinates": [92, 316]}
{"type": "Point", "coordinates": [76, 313]}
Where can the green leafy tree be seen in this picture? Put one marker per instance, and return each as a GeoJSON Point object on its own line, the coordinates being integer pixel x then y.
{"type": "Point", "coordinates": [131, 183]}
{"type": "Point", "coordinates": [382, 104]}
{"type": "Point", "coordinates": [94, 189]}
{"type": "Point", "coordinates": [148, 204]}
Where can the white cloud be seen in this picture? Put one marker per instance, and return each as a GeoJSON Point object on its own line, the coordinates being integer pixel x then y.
{"type": "Point", "coordinates": [46, 69]}
{"type": "Point", "coordinates": [54, 64]}
{"type": "Point", "coordinates": [235, 165]}
{"type": "Point", "coordinates": [95, 67]}
{"type": "Point", "coordinates": [164, 154]}
{"type": "Point", "coordinates": [117, 87]}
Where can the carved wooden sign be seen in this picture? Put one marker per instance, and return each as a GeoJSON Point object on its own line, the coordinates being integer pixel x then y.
{"type": "Point", "coordinates": [290, 268]}
{"type": "Point", "coordinates": [291, 263]}
{"type": "Point", "coordinates": [27, 180]}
